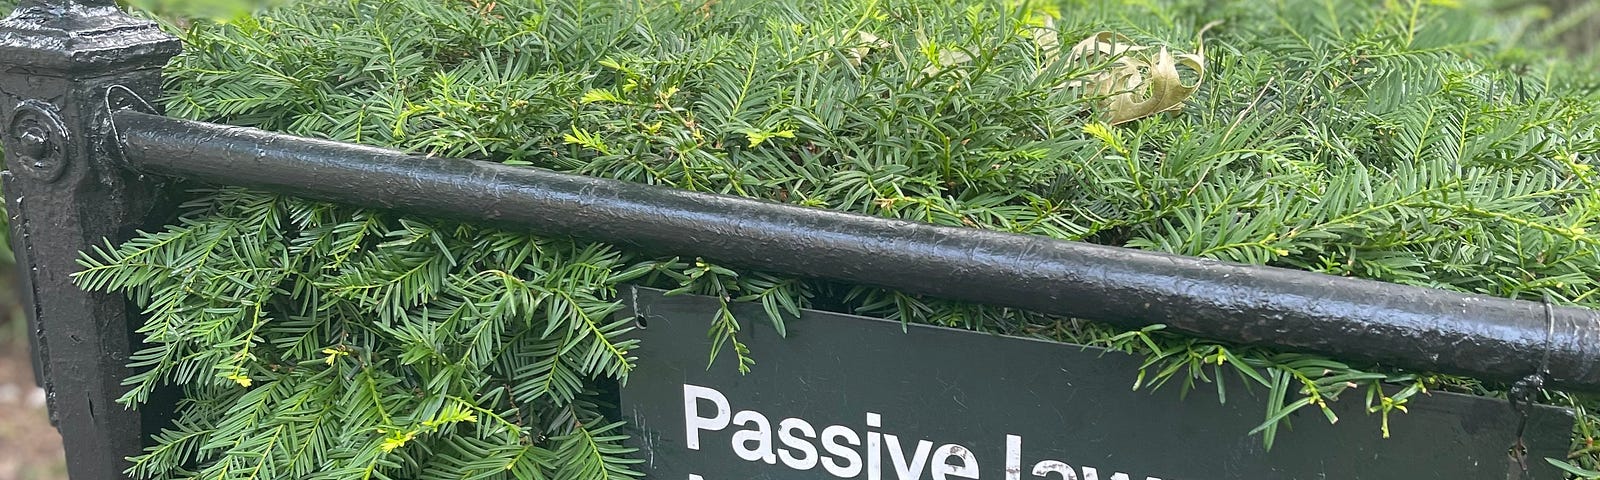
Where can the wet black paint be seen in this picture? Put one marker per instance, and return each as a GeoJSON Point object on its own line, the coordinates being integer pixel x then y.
{"type": "Point", "coordinates": [1349, 319]}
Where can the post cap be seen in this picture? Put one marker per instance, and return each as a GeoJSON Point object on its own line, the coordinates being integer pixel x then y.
{"type": "Point", "coordinates": [81, 38]}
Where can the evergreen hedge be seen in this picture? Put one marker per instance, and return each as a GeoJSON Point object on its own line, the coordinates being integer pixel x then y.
{"type": "Point", "coordinates": [1419, 142]}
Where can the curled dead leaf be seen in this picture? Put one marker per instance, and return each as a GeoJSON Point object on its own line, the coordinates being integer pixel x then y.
{"type": "Point", "coordinates": [859, 44]}
{"type": "Point", "coordinates": [1139, 80]}
{"type": "Point", "coordinates": [948, 57]}
{"type": "Point", "coordinates": [1102, 46]}
{"type": "Point", "coordinates": [1163, 90]}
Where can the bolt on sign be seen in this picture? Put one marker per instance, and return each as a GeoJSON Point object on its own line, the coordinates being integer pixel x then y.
{"type": "Point", "coordinates": [858, 398]}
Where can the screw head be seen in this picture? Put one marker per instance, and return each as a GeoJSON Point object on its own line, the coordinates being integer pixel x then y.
{"type": "Point", "coordinates": [33, 144]}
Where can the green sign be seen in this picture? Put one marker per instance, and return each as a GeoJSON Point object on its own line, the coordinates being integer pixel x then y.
{"type": "Point", "coordinates": [857, 398]}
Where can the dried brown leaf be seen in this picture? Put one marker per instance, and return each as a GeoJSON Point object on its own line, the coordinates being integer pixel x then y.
{"type": "Point", "coordinates": [1139, 80]}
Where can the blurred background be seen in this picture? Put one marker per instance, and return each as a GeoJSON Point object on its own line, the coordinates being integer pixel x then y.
{"type": "Point", "coordinates": [30, 448]}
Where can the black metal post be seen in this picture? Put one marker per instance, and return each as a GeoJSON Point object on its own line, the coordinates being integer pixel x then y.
{"type": "Point", "coordinates": [1425, 329]}
{"type": "Point", "coordinates": [62, 64]}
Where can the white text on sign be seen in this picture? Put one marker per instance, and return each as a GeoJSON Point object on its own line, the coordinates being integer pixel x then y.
{"type": "Point", "coordinates": [845, 452]}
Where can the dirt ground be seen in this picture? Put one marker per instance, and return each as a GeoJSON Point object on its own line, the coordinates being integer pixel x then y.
{"type": "Point", "coordinates": [30, 449]}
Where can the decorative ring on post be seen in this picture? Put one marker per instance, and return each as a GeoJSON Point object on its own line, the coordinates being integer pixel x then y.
{"type": "Point", "coordinates": [40, 138]}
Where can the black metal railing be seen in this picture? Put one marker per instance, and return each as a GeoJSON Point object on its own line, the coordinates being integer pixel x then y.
{"type": "Point", "coordinates": [85, 162]}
